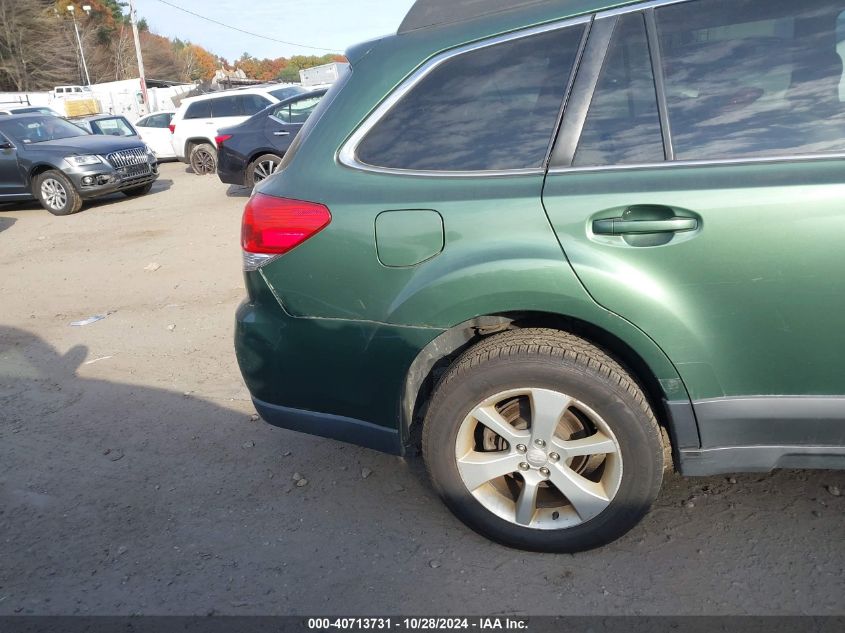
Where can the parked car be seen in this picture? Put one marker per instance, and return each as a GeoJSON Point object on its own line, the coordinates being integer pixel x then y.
{"type": "Point", "coordinates": [108, 124]}
{"type": "Point", "coordinates": [154, 130]}
{"type": "Point", "coordinates": [28, 110]}
{"type": "Point", "coordinates": [250, 152]}
{"type": "Point", "coordinates": [195, 124]}
{"type": "Point", "coordinates": [564, 250]}
{"type": "Point", "coordinates": [61, 165]}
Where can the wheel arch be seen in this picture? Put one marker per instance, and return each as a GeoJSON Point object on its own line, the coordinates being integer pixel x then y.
{"type": "Point", "coordinates": [261, 152]}
{"type": "Point", "coordinates": [192, 142]}
{"type": "Point", "coordinates": [37, 170]}
{"type": "Point", "coordinates": [257, 154]}
{"type": "Point", "coordinates": [659, 380]}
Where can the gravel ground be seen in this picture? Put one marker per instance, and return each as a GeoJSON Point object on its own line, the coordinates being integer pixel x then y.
{"type": "Point", "coordinates": [133, 478]}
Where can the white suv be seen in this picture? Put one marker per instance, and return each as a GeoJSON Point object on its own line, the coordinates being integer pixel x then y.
{"type": "Point", "coordinates": [194, 126]}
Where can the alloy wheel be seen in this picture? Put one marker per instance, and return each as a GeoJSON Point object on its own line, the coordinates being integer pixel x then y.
{"type": "Point", "coordinates": [54, 194]}
{"type": "Point", "coordinates": [203, 162]}
{"type": "Point", "coordinates": [539, 458]}
{"type": "Point", "coordinates": [264, 169]}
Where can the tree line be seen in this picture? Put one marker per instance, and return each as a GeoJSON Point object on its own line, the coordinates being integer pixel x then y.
{"type": "Point", "coordinates": [38, 49]}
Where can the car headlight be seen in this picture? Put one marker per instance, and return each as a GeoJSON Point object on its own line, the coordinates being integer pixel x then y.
{"type": "Point", "coordinates": [150, 152]}
{"type": "Point", "coordinates": [79, 161]}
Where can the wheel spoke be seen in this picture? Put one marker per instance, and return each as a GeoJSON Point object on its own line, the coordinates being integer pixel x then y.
{"type": "Point", "coordinates": [547, 408]}
{"type": "Point", "coordinates": [598, 444]}
{"type": "Point", "coordinates": [587, 497]}
{"type": "Point", "coordinates": [526, 505]}
{"type": "Point", "coordinates": [493, 420]}
{"type": "Point", "coordinates": [478, 468]}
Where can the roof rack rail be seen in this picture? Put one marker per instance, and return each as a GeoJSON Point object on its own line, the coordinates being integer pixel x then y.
{"type": "Point", "coordinates": [428, 13]}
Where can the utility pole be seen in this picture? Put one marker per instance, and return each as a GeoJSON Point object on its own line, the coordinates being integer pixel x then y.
{"type": "Point", "coordinates": [133, 19]}
{"type": "Point", "coordinates": [87, 10]}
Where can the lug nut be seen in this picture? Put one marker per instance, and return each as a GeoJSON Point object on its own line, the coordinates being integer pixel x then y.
{"type": "Point", "coordinates": [524, 466]}
{"type": "Point", "coordinates": [540, 443]}
{"type": "Point", "coordinates": [554, 457]}
{"type": "Point", "coordinates": [521, 448]}
{"type": "Point", "coordinates": [545, 472]}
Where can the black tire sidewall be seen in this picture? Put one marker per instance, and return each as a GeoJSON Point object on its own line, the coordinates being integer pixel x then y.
{"type": "Point", "coordinates": [212, 152]}
{"type": "Point", "coordinates": [74, 201]}
{"type": "Point", "coordinates": [639, 442]}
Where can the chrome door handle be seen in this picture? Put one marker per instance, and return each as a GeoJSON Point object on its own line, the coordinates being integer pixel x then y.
{"type": "Point", "coordinates": [281, 133]}
{"type": "Point", "coordinates": [620, 226]}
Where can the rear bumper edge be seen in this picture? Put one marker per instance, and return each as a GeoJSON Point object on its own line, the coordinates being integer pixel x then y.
{"type": "Point", "coordinates": [332, 426]}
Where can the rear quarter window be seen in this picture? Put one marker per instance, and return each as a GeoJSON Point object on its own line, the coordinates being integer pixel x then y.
{"type": "Point", "coordinates": [491, 108]}
{"type": "Point", "coordinates": [251, 104]}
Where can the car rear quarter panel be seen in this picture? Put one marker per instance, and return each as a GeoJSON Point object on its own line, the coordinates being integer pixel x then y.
{"type": "Point", "coordinates": [500, 253]}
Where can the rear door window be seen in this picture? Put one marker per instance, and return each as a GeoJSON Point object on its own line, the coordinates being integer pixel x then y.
{"type": "Point", "coordinates": [753, 78]}
{"type": "Point", "coordinates": [199, 110]}
{"type": "Point", "coordinates": [491, 108]}
{"type": "Point", "coordinates": [623, 123]}
{"type": "Point", "coordinates": [226, 107]}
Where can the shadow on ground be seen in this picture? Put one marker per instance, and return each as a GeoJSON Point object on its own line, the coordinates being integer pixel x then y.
{"type": "Point", "coordinates": [237, 191]}
{"type": "Point", "coordinates": [160, 186]}
{"type": "Point", "coordinates": [118, 499]}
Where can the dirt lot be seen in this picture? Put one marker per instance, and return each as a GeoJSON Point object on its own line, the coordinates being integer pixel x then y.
{"type": "Point", "coordinates": [132, 479]}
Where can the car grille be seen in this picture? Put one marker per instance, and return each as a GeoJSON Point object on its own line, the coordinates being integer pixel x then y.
{"type": "Point", "coordinates": [128, 157]}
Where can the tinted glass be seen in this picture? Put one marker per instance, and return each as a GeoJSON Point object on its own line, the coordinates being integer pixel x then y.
{"type": "Point", "coordinates": [226, 106]}
{"type": "Point", "coordinates": [748, 78]}
{"type": "Point", "coordinates": [492, 108]}
{"type": "Point", "coordinates": [250, 104]}
{"type": "Point", "coordinates": [623, 124]}
{"type": "Point", "coordinates": [199, 110]}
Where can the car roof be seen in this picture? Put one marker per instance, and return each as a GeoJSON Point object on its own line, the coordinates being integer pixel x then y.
{"type": "Point", "coordinates": [98, 117]}
{"type": "Point", "coordinates": [263, 89]}
{"type": "Point", "coordinates": [26, 107]}
{"type": "Point", "coordinates": [319, 92]}
{"type": "Point", "coordinates": [28, 115]}
{"type": "Point", "coordinates": [432, 13]}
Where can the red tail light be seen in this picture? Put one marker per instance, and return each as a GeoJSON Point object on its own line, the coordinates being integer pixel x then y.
{"type": "Point", "coordinates": [172, 127]}
{"type": "Point", "coordinates": [220, 138]}
{"type": "Point", "coordinates": [273, 226]}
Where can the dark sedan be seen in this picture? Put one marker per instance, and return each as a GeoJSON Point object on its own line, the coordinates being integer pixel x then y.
{"type": "Point", "coordinates": [61, 165]}
{"type": "Point", "coordinates": [249, 152]}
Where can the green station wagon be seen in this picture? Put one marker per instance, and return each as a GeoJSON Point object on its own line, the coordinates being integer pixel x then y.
{"type": "Point", "coordinates": [564, 245]}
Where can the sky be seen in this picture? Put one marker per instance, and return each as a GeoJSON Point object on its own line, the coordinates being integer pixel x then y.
{"type": "Point", "coordinates": [336, 24]}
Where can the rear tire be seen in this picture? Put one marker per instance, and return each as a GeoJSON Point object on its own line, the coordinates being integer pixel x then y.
{"type": "Point", "coordinates": [138, 191]}
{"type": "Point", "coordinates": [260, 168]}
{"type": "Point", "coordinates": [204, 159]}
{"type": "Point", "coordinates": [56, 193]}
{"type": "Point", "coordinates": [570, 456]}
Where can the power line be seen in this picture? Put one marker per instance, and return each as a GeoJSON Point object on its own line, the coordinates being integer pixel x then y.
{"type": "Point", "coordinates": [234, 28]}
